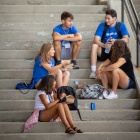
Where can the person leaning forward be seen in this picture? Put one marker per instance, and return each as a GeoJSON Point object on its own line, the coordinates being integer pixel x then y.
{"type": "Point", "coordinates": [101, 46]}
{"type": "Point", "coordinates": [64, 36]}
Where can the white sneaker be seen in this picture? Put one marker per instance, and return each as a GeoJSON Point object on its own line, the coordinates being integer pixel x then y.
{"type": "Point", "coordinates": [112, 95]}
{"type": "Point", "coordinates": [104, 95]}
{"type": "Point", "coordinates": [92, 75]}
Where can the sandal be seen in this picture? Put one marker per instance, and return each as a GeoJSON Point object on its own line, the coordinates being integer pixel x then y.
{"type": "Point", "coordinates": [77, 130]}
{"type": "Point", "coordinates": [70, 131]}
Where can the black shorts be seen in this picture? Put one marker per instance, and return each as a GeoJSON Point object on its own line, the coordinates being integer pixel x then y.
{"type": "Point", "coordinates": [39, 115]}
{"type": "Point", "coordinates": [104, 55]}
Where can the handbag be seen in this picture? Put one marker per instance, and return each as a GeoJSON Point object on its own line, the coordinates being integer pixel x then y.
{"type": "Point", "coordinates": [91, 91]}
{"type": "Point", "coordinates": [24, 86]}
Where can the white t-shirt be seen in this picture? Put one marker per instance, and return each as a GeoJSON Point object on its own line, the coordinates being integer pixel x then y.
{"type": "Point", "coordinates": [38, 102]}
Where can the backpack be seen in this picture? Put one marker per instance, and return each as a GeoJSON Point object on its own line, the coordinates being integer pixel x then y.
{"type": "Point", "coordinates": [69, 91]}
{"type": "Point", "coordinates": [117, 30]}
{"type": "Point", "coordinates": [91, 91]}
{"type": "Point", "coordinates": [25, 86]}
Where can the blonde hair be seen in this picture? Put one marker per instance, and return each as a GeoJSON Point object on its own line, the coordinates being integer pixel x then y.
{"type": "Point", "coordinates": [44, 53]}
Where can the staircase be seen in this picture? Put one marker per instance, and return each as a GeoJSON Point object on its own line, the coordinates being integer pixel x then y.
{"type": "Point", "coordinates": [24, 26]}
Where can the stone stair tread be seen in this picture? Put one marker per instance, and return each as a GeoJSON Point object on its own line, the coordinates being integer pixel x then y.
{"type": "Point", "coordinates": [20, 9]}
{"type": "Point", "coordinates": [87, 115]}
{"type": "Point", "coordinates": [83, 104]}
{"type": "Point", "coordinates": [87, 126]}
{"type": "Point", "coordinates": [48, 2]}
{"type": "Point", "coordinates": [62, 135]}
{"type": "Point", "coordinates": [14, 94]}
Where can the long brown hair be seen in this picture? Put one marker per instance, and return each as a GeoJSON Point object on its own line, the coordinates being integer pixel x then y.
{"type": "Point", "coordinates": [47, 84]}
{"type": "Point", "coordinates": [118, 50]}
{"type": "Point", "coordinates": [44, 53]}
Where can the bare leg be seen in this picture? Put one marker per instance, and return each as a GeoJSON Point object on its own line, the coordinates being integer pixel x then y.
{"type": "Point", "coordinates": [58, 76]}
{"type": "Point", "coordinates": [119, 78]}
{"type": "Point", "coordinates": [47, 115]}
{"type": "Point", "coordinates": [68, 115]}
{"type": "Point", "coordinates": [105, 80]}
{"type": "Point", "coordinates": [65, 77]}
{"type": "Point", "coordinates": [57, 48]}
{"type": "Point", "coordinates": [95, 51]}
{"type": "Point", "coordinates": [76, 46]}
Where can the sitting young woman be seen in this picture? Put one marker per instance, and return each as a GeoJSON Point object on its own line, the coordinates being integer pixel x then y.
{"type": "Point", "coordinates": [117, 70]}
{"type": "Point", "coordinates": [44, 65]}
{"type": "Point", "coordinates": [47, 109]}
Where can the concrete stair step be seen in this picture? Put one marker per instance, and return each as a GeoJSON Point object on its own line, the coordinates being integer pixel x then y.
{"type": "Point", "coordinates": [27, 73]}
{"type": "Point", "coordinates": [33, 45]}
{"type": "Point", "coordinates": [31, 54]}
{"type": "Point", "coordinates": [48, 2]}
{"type": "Point", "coordinates": [86, 126]}
{"type": "Point", "coordinates": [13, 94]}
{"type": "Point", "coordinates": [48, 27]}
{"type": "Point", "coordinates": [11, 83]}
{"type": "Point", "coordinates": [28, 63]}
{"type": "Point", "coordinates": [83, 104]}
{"type": "Point", "coordinates": [84, 136]}
{"type": "Point", "coordinates": [36, 35]}
{"type": "Point", "coordinates": [43, 9]}
{"type": "Point", "coordinates": [89, 115]}
{"type": "Point", "coordinates": [38, 18]}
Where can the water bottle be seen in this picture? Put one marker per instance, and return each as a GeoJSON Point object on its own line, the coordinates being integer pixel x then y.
{"type": "Point", "coordinates": [93, 106]}
{"type": "Point", "coordinates": [107, 50]}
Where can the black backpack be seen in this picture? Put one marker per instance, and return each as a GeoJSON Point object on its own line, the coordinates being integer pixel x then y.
{"type": "Point", "coordinates": [69, 91]}
{"type": "Point", "coordinates": [117, 29]}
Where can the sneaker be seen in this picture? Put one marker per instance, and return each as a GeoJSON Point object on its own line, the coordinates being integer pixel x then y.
{"type": "Point", "coordinates": [92, 75]}
{"type": "Point", "coordinates": [104, 95]}
{"type": "Point", "coordinates": [112, 95]}
{"type": "Point", "coordinates": [75, 65]}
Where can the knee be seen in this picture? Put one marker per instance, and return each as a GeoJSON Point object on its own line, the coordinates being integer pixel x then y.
{"type": "Point", "coordinates": [66, 74]}
{"type": "Point", "coordinates": [56, 43]}
{"type": "Point", "coordinates": [115, 71]}
{"type": "Point", "coordinates": [78, 43]}
{"type": "Point", "coordinates": [58, 72]}
{"type": "Point", "coordinates": [94, 47]}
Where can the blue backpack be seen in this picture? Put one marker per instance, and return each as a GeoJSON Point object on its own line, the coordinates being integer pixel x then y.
{"type": "Point", "coordinates": [24, 86]}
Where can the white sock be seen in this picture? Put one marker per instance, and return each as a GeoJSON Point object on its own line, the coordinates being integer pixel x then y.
{"type": "Point", "coordinates": [93, 68]}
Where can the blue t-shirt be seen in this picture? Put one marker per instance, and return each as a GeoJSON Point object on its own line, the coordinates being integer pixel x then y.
{"type": "Point", "coordinates": [39, 71]}
{"type": "Point", "coordinates": [59, 29]}
{"type": "Point", "coordinates": [111, 32]}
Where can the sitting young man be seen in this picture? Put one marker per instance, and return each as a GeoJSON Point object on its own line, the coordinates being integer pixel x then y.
{"type": "Point", "coordinates": [105, 35]}
{"type": "Point", "coordinates": [66, 36]}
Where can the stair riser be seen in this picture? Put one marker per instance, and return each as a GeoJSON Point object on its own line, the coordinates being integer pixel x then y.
{"type": "Point", "coordinates": [28, 64]}
{"type": "Point", "coordinates": [43, 9]}
{"type": "Point", "coordinates": [48, 2]}
{"type": "Point", "coordinates": [37, 35]}
{"type": "Point", "coordinates": [82, 104]}
{"type": "Point", "coordinates": [107, 126]}
{"type": "Point", "coordinates": [33, 45]}
{"type": "Point", "coordinates": [28, 54]}
{"type": "Point", "coordinates": [38, 18]}
{"type": "Point", "coordinates": [11, 83]}
{"type": "Point", "coordinates": [16, 94]}
{"type": "Point", "coordinates": [91, 116]}
{"type": "Point", "coordinates": [48, 27]}
{"type": "Point", "coordinates": [63, 136]}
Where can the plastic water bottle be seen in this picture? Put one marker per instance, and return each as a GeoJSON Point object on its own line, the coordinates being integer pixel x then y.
{"type": "Point", "coordinates": [107, 50]}
{"type": "Point", "coordinates": [93, 107]}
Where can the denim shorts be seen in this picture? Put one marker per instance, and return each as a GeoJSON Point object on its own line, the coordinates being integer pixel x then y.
{"type": "Point", "coordinates": [39, 115]}
{"type": "Point", "coordinates": [131, 84]}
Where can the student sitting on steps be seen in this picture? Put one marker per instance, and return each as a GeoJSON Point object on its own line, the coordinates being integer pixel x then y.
{"type": "Point", "coordinates": [66, 35]}
{"type": "Point", "coordinates": [117, 70]}
{"type": "Point", "coordinates": [44, 65]}
{"type": "Point", "coordinates": [104, 38]}
{"type": "Point", "coordinates": [47, 109]}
